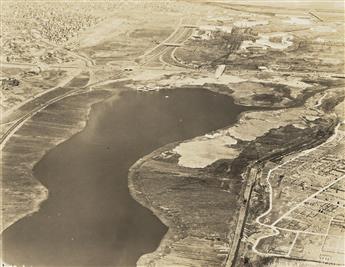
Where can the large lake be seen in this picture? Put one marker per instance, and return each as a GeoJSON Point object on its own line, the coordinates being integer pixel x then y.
{"type": "Point", "coordinates": [89, 218]}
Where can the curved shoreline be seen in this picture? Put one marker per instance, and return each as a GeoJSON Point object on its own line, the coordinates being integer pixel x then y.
{"type": "Point", "coordinates": [82, 119]}
{"type": "Point", "coordinates": [36, 200]}
{"type": "Point", "coordinates": [142, 200]}
{"type": "Point", "coordinates": [135, 190]}
{"type": "Point", "coordinates": [137, 195]}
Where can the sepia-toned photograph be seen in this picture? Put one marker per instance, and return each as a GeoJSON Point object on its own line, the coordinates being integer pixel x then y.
{"type": "Point", "coordinates": [172, 133]}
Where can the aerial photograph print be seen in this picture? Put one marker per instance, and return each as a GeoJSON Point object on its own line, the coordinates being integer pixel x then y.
{"type": "Point", "coordinates": [172, 133]}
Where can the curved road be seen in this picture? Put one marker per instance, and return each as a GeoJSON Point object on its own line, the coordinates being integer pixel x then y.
{"type": "Point", "coordinates": [17, 123]}
{"type": "Point", "coordinates": [272, 226]}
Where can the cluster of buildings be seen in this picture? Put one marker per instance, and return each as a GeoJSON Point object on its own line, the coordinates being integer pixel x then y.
{"type": "Point", "coordinates": [61, 27]}
{"type": "Point", "coordinates": [308, 204]}
{"type": "Point", "coordinates": [55, 22]}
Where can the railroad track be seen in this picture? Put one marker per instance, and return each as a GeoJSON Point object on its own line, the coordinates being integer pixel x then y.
{"type": "Point", "coordinates": [18, 123]}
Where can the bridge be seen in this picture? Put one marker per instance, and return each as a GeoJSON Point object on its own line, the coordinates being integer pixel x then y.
{"type": "Point", "coordinates": [172, 44]}
{"type": "Point", "coordinates": [190, 26]}
{"type": "Point", "coordinates": [312, 13]}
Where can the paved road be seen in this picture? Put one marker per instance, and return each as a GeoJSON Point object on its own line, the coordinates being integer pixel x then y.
{"type": "Point", "coordinates": [180, 35]}
{"type": "Point", "coordinates": [18, 123]}
{"type": "Point", "coordinates": [31, 66]}
{"type": "Point", "coordinates": [21, 113]}
{"type": "Point", "coordinates": [272, 226]}
{"type": "Point", "coordinates": [251, 177]}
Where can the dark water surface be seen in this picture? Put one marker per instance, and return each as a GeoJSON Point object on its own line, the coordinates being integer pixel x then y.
{"type": "Point", "coordinates": [90, 219]}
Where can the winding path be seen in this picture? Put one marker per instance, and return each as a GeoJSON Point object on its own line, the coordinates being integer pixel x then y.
{"type": "Point", "coordinates": [272, 226]}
